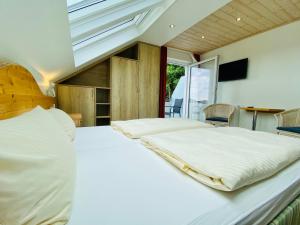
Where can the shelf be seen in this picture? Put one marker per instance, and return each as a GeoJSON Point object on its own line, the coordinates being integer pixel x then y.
{"type": "Point", "coordinates": [102, 95]}
{"type": "Point", "coordinates": [105, 88]}
{"type": "Point", "coordinates": [103, 122]}
{"type": "Point", "coordinates": [107, 103]}
{"type": "Point", "coordinates": [102, 117]}
{"type": "Point", "coordinates": [102, 109]}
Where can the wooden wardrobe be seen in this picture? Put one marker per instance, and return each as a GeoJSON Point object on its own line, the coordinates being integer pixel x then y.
{"type": "Point", "coordinates": [124, 89]}
{"type": "Point", "coordinates": [124, 86]}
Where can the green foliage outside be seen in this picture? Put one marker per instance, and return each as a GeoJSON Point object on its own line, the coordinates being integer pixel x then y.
{"type": "Point", "coordinates": [174, 72]}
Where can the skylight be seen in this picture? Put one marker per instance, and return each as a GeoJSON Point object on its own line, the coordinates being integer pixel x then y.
{"type": "Point", "coordinates": [107, 31]}
{"type": "Point", "coordinates": [76, 5]}
{"type": "Point", "coordinates": [95, 22]}
{"type": "Point", "coordinates": [133, 21]}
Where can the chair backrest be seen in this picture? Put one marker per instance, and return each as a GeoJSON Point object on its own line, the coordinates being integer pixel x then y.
{"type": "Point", "coordinates": [289, 118]}
{"type": "Point", "coordinates": [177, 105]}
{"type": "Point", "coordinates": [219, 110]}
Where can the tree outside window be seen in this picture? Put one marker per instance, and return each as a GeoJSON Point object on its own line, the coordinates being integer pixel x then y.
{"type": "Point", "coordinates": [174, 72]}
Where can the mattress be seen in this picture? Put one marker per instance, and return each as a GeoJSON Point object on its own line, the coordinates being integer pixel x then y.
{"type": "Point", "coordinates": [119, 181]}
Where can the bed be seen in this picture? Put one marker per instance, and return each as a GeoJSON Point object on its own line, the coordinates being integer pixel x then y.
{"type": "Point", "coordinates": [119, 181]}
{"type": "Point", "coordinates": [19, 92]}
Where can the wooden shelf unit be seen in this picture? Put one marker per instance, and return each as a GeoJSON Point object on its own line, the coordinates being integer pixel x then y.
{"type": "Point", "coordinates": [102, 106]}
{"type": "Point", "coordinates": [95, 78]}
{"type": "Point", "coordinates": [102, 121]}
{"type": "Point", "coordinates": [123, 86]}
{"type": "Point", "coordinates": [102, 95]}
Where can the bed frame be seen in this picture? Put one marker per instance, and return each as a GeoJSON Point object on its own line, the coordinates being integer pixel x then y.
{"type": "Point", "coordinates": [19, 92]}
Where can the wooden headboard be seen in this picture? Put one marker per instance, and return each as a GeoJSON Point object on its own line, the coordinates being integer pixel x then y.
{"type": "Point", "coordinates": [19, 92]}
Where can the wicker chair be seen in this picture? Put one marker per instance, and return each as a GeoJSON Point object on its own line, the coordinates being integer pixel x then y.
{"type": "Point", "coordinates": [289, 123]}
{"type": "Point", "coordinates": [219, 115]}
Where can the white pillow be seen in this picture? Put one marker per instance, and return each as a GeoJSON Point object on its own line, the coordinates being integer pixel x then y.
{"type": "Point", "coordinates": [37, 170]}
{"type": "Point", "coordinates": [65, 121]}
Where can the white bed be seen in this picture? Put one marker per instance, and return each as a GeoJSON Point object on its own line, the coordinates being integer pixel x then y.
{"type": "Point", "coordinates": [120, 182]}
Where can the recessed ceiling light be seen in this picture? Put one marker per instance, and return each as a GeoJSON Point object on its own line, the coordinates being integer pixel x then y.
{"type": "Point", "coordinates": [203, 37]}
{"type": "Point", "coordinates": [238, 19]}
{"type": "Point", "coordinates": [172, 25]}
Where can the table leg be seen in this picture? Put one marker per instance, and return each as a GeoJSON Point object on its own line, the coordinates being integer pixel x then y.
{"type": "Point", "coordinates": [254, 120]}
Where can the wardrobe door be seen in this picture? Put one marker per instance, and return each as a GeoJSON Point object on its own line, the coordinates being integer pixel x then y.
{"type": "Point", "coordinates": [124, 89]}
{"type": "Point", "coordinates": [76, 99]}
{"type": "Point", "coordinates": [149, 76]}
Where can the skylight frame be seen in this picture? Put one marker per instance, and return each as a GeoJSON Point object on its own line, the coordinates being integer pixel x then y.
{"type": "Point", "coordinates": [98, 29]}
{"type": "Point", "coordinates": [83, 4]}
{"type": "Point", "coordinates": [99, 7]}
{"type": "Point", "coordinates": [132, 21]}
{"type": "Point", "coordinates": [108, 31]}
{"type": "Point", "coordinates": [139, 18]}
{"type": "Point", "coordinates": [95, 19]}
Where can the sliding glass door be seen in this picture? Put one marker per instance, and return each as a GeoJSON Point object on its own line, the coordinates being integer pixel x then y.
{"type": "Point", "coordinates": [201, 87]}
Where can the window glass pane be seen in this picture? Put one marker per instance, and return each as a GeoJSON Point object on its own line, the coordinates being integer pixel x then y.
{"type": "Point", "coordinates": [202, 89]}
{"type": "Point", "coordinates": [110, 30]}
{"type": "Point", "coordinates": [75, 5]}
{"type": "Point", "coordinates": [82, 9]}
{"type": "Point", "coordinates": [116, 27]}
{"type": "Point", "coordinates": [79, 3]}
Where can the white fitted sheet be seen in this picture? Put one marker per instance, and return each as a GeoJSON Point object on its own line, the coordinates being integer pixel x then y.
{"type": "Point", "coordinates": [120, 182]}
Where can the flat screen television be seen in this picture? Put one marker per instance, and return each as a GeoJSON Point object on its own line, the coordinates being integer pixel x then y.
{"type": "Point", "coordinates": [236, 70]}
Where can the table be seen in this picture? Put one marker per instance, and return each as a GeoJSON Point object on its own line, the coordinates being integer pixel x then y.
{"type": "Point", "coordinates": [257, 110]}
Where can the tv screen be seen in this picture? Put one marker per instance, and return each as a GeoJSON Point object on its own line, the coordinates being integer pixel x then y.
{"type": "Point", "coordinates": [236, 70]}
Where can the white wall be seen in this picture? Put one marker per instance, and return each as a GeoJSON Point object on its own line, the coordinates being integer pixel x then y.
{"type": "Point", "coordinates": [273, 73]}
{"type": "Point", "coordinates": [35, 34]}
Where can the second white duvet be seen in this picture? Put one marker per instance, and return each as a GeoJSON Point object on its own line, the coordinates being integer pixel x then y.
{"type": "Point", "coordinates": [140, 127]}
{"type": "Point", "coordinates": [225, 158]}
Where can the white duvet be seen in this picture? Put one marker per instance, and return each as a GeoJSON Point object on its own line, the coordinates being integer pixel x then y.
{"type": "Point", "coordinates": [225, 158]}
{"type": "Point", "coordinates": [141, 127]}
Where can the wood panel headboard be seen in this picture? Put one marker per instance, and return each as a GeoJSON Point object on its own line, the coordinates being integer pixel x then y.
{"type": "Point", "coordinates": [19, 92]}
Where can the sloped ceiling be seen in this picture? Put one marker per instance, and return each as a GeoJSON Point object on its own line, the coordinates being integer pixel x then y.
{"type": "Point", "coordinates": [36, 33]}
{"type": "Point", "coordinates": [235, 21]}
{"type": "Point", "coordinates": [101, 26]}
{"type": "Point", "coordinates": [183, 14]}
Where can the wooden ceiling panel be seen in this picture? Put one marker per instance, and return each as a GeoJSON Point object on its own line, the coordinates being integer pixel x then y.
{"type": "Point", "coordinates": [222, 28]}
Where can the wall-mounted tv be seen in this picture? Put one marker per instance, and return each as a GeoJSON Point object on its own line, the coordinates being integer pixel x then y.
{"type": "Point", "coordinates": [236, 70]}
